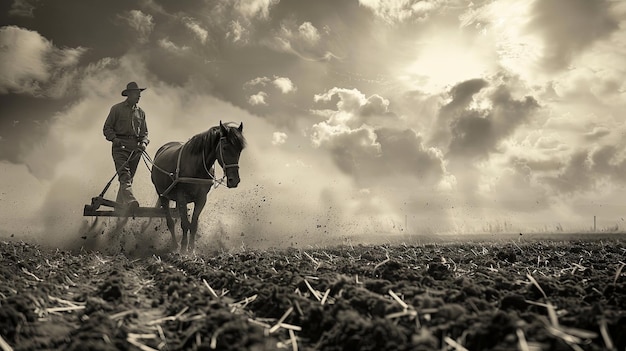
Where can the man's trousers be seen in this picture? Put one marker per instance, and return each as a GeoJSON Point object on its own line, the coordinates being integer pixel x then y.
{"type": "Point", "coordinates": [126, 160]}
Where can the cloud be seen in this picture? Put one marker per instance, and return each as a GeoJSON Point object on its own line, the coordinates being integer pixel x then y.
{"type": "Point", "coordinates": [22, 8]}
{"type": "Point", "coordinates": [196, 29]}
{"type": "Point", "coordinates": [366, 151]}
{"type": "Point", "coordinates": [237, 31]}
{"type": "Point", "coordinates": [168, 45]}
{"type": "Point", "coordinates": [504, 25]}
{"type": "Point", "coordinates": [401, 10]}
{"type": "Point", "coordinates": [353, 107]}
{"type": "Point", "coordinates": [262, 81]}
{"type": "Point", "coordinates": [575, 176]}
{"type": "Point", "coordinates": [348, 146]}
{"type": "Point", "coordinates": [258, 99]}
{"type": "Point", "coordinates": [478, 118]}
{"type": "Point", "coordinates": [597, 133]}
{"type": "Point", "coordinates": [241, 19]}
{"type": "Point", "coordinates": [309, 33]}
{"type": "Point", "coordinates": [570, 26]}
{"type": "Point", "coordinates": [588, 170]}
{"type": "Point", "coordinates": [373, 155]}
{"type": "Point", "coordinates": [30, 64]}
{"type": "Point", "coordinates": [23, 64]}
{"type": "Point", "coordinates": [302, 40]}
{"type": "Point", "coordinates": [460, 97]}
{"type": "Point", "coordinates": [141, 22]}
{"type": "Point", "coordinates": [284, 84]}
{"type": "Point", "coordinates": [255, 8]}
{"type": "Point", "coordinates": [404, 153]}
{"type": "Point", "coordinates": [279, 138]}
{"type": "Point", "coordinates": [375, 105]}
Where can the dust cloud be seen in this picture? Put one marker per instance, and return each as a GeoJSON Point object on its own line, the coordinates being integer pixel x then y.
{"type": "Point", "coordinates": [287, 197]}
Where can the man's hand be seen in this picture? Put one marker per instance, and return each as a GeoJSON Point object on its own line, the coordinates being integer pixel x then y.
{"type": "Point", "coordinates": [141, 146]}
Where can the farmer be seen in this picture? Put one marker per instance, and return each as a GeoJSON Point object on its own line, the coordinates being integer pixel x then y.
{"type": "Point", "coordinates": [126, 128]}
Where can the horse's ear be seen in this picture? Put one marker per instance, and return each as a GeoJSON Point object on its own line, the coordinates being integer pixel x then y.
{"type": "Point", "coordinates": [240, 127]}
{"type": "Point", "coordinates": [223, 129]}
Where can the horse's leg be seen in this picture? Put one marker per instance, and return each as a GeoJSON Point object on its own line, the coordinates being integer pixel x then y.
{"type": "Point", "coordinates": [165, 205]}
{"type": "Point", "coordinates": [198, 205]}
{"type": "Point", "coordinates": [181, 203]}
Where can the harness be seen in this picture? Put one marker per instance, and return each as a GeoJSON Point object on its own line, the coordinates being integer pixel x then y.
{"type": "Point", "coordinates": [176, 178]}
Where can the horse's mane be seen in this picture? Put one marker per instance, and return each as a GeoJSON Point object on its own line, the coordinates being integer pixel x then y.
{"type": "Point", "coordinates": [209, 138]}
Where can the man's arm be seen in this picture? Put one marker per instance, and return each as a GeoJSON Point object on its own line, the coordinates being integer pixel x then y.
{"type": "Point", "coordinates": [143, 131]}
{"type": "Point", "coordinates": [109, 125]}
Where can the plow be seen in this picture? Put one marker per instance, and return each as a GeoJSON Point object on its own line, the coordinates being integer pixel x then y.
{"type": "Point", "coordinates": [101, 207]}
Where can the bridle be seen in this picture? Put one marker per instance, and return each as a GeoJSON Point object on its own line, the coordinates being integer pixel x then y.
{"type": "Point", "coordinates": [221, 153]}
{"type": "Point", "coordinates": [225, 166]}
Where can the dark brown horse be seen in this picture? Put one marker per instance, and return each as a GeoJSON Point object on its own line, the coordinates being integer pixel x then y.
{"type": "Point", "coordinates": [184, 173]}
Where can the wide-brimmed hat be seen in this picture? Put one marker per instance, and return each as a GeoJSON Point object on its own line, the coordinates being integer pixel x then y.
{"type": "Point", "coordinates": [131, 86]}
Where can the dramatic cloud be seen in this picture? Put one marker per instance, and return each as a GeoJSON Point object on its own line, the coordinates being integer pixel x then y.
{"type": "Point", "coordinates": [478, 132]}
{"type": "Point", "coordinates": [473, 123]}
{"type": "Point", "coordinates": [367, 152]}
{"type": "Point", "coordinates": [353, 107]}
{"type": "Point", "coordinates": [29, 62]}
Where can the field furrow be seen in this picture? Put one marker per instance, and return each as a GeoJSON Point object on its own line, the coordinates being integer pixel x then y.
{"type": "Point", "coordinates": [524, 295]}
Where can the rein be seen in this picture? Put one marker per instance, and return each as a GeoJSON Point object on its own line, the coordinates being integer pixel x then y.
{"type": "Point", "coordinates": [190, 180]}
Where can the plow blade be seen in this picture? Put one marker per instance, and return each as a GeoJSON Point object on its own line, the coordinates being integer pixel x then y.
{"type": "Point", "coordinates": [115, 209]}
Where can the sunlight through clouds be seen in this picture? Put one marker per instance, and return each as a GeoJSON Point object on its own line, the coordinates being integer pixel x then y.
{"type": "Point", "coordinates": [504, 23]}
{"type": "Point", "coordinates": [445, 61]}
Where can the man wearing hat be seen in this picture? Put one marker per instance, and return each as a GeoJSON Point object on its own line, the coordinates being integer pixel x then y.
{"type": "Point", "coordinates": [126, 128]}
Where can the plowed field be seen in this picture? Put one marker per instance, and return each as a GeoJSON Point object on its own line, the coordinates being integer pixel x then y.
{"type": "Point", "coordinates": [505, 295]}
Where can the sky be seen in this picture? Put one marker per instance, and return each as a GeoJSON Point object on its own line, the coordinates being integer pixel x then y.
{"type": "Point", "coordinates": [363, 117]}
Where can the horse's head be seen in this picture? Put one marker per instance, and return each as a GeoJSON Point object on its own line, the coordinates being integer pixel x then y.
{"type": "Point", "coordinates": [229, 149]}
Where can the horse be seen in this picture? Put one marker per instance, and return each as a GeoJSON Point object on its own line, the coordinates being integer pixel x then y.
{"type": "Point", "coordinates": [185, 173]}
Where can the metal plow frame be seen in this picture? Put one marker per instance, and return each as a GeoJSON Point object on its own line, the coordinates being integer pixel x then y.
{"type": "Point", "coordinates": [116, 209]}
